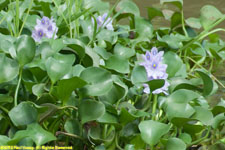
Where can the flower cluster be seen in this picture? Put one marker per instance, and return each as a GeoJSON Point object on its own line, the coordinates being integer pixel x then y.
{"type": "Point", "coordinates": [102, 22]}
{"type": "Point", "coordinates": [156, 69]}
{"type": "Point", "coordinates": [44, 28]}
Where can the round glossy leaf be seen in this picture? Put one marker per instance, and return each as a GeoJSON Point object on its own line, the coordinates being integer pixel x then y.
{"type": "Point", "coordinates": [144, 28]}
{"type": "Point", "coordinates": [3, 140]}
{"type": "Point", "coordinates": [125, 116]}
{"type": "Point", "coordinates": [175, 144]}
{"type": "Point", "coordinates": [115, 94]}
{"type": "Point", "coordinates": [154, 12]}
{"type": "Point", "coordinates": [99, 81]}
{"type": "Point", "coordinates": [174, 63]}
{"type": "Point", "coordinates": [139, 75]}
{"type": "Point", "coordinates": [67, 86]}
{"type": "Point", "coordinates": [178, 3]}
{"type": "Point", "coordinates": [185, 137]}
{"type": "Point", "coordinates": [218, 120]}
{"type": "Point", "coordinates": [25, 49]}
{"type": "Point", "coordinates": [108, 118]}
{"type": "Point", "coordinates": [38, 89]}
{"type": "Point", "coordinates": [127, 6]}
{"type": "Point", "coordinates": [96, 5]}
{"type": "Point", "coordinates": [209, 15]}
{"type": "Point", "coordinates": [9, 68]}
{"type": "Point", "coordinates": [35, 132]}
{"type": "Point", "coordinates": [156, 84]}
{"type": "Point", "coordinates": [177, 104]}
{"type": "Point", "coordinates": [118, 64]}
{"type": "Point", "coordinates": [58, 66]}
{"type": "Point", "coordinates": [72, 126]}
{"type": "Point", "coordinates": [46, 50]}
{"type": "Point", "coordinates": [193, 22]}
{"type": "Point", "coordinates": [77, 45]}
{"type": "Point", "coordinates": [208, 83]}
{"type": "Point", "coordinates": [23, 114]}
{"type": "Point", "coordinates": [203, 115]}
{"type": "Point", "coordinates": [152, 131]}
{"type": "Point", "coordinates": [90, 110]}
{"type": "Point", "coordinates": [123, 51]}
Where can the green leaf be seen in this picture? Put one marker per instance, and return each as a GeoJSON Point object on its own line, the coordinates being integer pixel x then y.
{"type": "Point", "coordinates": [108, 118]}
{"type": "Point", "coordinates": [125, 116]}
{"type": "Point", "coordinates": [123, 52]}
{"type": "Point", "coordinates": [46, 50]}
{"type": "Point", "coordinates": [38, 89]}
{"type": "Point", "coordinates": [208, 83]}
{"type": "Point", "coordinates": [193, 22]}
{"type": "Point", "coordinates": [177, 104]}
{"type": "Point", "coordinates": [178, 3]}
{"type": "Point", "coordinates": [3, 140]}
{"type": "Point", "coordinates": [93, 55]}
{"type": "Point", "coordinates": [218, 120]}
{"type": "Point", "coordinates": [156, 84]}
{"type": "Point", "coordinates": [77, 45]}
{"type": "Point", "coordinates": [209, 15]}
{"type": "Point", "coordinates": [25, 49]}
{"type": "Point", "coordinates": [66, 86]}
{"type": "Point", "coordinates": [127, 6]}
{"type": "Point", "coordinates": [90, 110]}
{"type": "Point", "coordinates": [203, 115]}
{"type": "Point", "coordinates": [6, 98]}
{"type": "Point", "coordinates": [152, 131]}
{"type": "Point", "coordinates": [9, 70]}
{"type": "Point", "coordinates": [174, 63]}
{"type": "Point", "coordinates": [154, 12]}
{"type": "Point", "coordinates": [36, 133]}
{"type": "Point", "coordinates": [175, 144]}
{"type": "Point", "coordinates": [72, 126]}
{"type": "Point", "coordinates": [185, 137]}
{"type": "Point", "coordinates": [59, 65]}
{"type": "Point", "coordinates": [219, 108]}
{"type": "Point", "coordinates": [144, 28]}
{"type": "Point", "coordinates": [23, 114]}
{"type": "Point", "coordinates": [139, 75]}
{"type": "Point", "coordinates": [96, 5]}
{"type": "Point", "coordinates": [100, 81]}
{"type": "Point", "coordinates": [176, 19]}
{"type": "Point", "coordinates": [115, 94]}
{"type": "Point", "coordinates": [118, 64]}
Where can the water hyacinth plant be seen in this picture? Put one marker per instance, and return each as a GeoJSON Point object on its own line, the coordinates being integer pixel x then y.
{"type": "Point", "coordinates": [156, 69]}
{"type": "Point", "coordinates": [97, 76]}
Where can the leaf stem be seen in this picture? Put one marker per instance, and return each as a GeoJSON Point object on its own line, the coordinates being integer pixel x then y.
{"type": "Point", "coordinates": [201, 139]}
{"type": "Point", "coordinates": [17, 87]}
{"type": "Point", "coordinates": [203, 34]}
{"type": "Point", "coordinates": [154, 106]}
{"type": "Point", "coordinates": [69, 134]}
{"type": "Point", "coordinates": [24, 21]}
{"type": "Point", "coordinates": [183, 25]}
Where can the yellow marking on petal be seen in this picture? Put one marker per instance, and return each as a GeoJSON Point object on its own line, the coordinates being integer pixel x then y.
{"type": "Point", "coordinates": [154, 65]}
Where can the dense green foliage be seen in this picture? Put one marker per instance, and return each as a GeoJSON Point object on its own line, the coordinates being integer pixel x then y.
{"type": "Point", "coordinates": [84, 88]}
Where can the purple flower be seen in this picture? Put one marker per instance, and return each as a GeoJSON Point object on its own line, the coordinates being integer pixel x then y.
{"type": "Point", "coordinates": [156, 69]}
{"type": "Point", "coordinates": [102, 22]}
{"type": "Point", "coordinates": [38, 33]}
{"type": "Point", "coordinates": [45, 28]}
{"type": "Point", "coordinates": [153, 64]}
